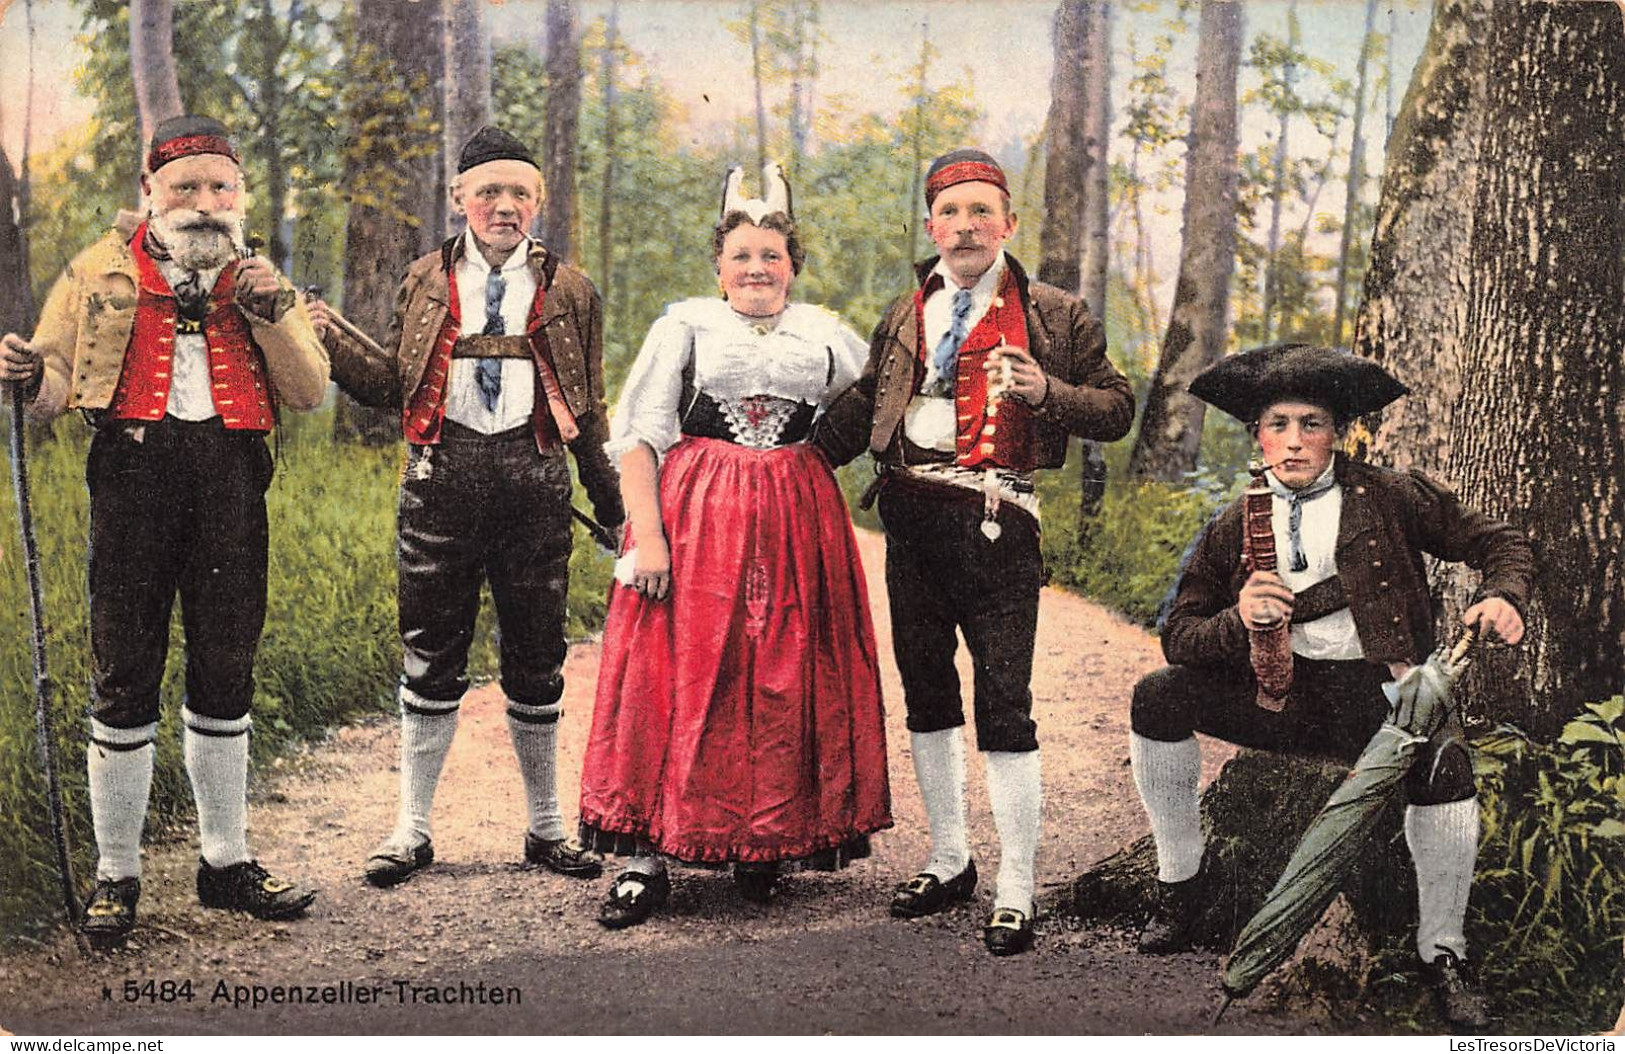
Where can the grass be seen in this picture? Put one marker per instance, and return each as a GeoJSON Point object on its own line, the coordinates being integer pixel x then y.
{"type": "Point", "coordinates": [330, 650]}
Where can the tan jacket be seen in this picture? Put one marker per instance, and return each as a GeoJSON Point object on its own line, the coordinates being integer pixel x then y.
{"type": "Point", "coordinates": [1087, 396]}
{"type": "Point", "coordinates": [572, 320]}
{"type": "Point", "coordinates": [85, 328]}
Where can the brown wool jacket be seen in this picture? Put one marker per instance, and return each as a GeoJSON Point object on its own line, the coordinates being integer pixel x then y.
{"type": "Point", "coordinates": [572, 321]}
{"type": "Point", "coordinates": [1087, 396]}
{"type": "Point", "coordinates": [84, 330]}
{"type": "Point", "coordinates": [1389, 520]}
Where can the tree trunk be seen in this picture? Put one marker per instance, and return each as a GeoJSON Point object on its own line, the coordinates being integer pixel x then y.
{"type": "Point", "coordinates": [1356, 180]}
{"type": "Point", "coordinates": [563, 122]}
{"type": "Point", "coordinates": [606, 198]}
{"type": "Point", "coordinates": [1272, 279]}
{"type": "Point", "coordinates": [1066, 163]}
{"type": "Point", "coordinates": [382, 239]}
{"type": "Point", "coordinates": [16, 295]}
{"type": "Point", "coordinates": [916, 201]}
{"type": "Point", "coordinates": [1170, 433]}
{"type": "Point", "coordinates": [756, 79]}
{"type": "Point", "coordinates": [1097, 138]}
{"type": "Point", "coordinates": [152, 64]}
{"type": "Point", "coordinates": [1541, 436]}
{"type": "Point", "coordinates": [467, 64]}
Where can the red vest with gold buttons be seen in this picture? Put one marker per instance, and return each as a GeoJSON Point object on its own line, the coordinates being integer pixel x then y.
{"type": "Point", "coordinates": [988, 432]}
{"type": "Point", "coordinates": [425, 412]}
{"type": "Point", "coordinates": [237, 377]}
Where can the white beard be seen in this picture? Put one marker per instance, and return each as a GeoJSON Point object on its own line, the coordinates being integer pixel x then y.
{"type": "Point", "coordinates": [198, 248]}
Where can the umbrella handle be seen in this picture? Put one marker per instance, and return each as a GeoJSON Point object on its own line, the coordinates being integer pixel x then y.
{"type": "Point", "coordinates": [1460, 655]}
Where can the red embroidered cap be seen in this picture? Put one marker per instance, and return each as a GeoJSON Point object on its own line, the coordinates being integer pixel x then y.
{"type": "Point", "coordinates": [962, 166]}
{"type": "Point", "coordinates": [187, 135]}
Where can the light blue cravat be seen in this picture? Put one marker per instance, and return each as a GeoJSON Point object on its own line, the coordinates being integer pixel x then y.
{"type": "Point", "coordinates": [946, 357]}
{"type": "Point", "coordinates": [488, 373]}
{"type": "Point", "coordinates": [1294, 518]}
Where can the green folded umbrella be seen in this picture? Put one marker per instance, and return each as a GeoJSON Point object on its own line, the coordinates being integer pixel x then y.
{"type": "Point", "coordinates": [1419, 703]}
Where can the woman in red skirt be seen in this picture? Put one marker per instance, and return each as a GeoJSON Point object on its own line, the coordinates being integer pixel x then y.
{"type": "Point", "coordinates": [738, 717]}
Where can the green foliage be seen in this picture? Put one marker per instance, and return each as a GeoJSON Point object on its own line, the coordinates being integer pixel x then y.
{"type": "Point", "coordinates": [330, 650]}
{"type": "Point", "coordinates": [1548, 901]}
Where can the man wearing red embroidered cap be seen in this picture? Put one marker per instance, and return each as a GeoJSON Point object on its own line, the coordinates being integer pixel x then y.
{"type": "Point", "coordinates": [974, 381]}
{"type": "Point", "coordinates": [180, 348]}
{"type": "Point", "coordinates": [494, 358]}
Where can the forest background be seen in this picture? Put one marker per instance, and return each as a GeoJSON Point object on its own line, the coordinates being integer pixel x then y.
{"type": "Point", "coordinates": [1209, 176]}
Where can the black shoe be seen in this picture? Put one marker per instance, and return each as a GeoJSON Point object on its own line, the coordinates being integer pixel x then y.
{"type": "Point", "coordinates": [633, 898]}
{"type": "Point", "coordinates": [1173, 918]}
{"type": "Point", "coordinates": [391, 863]}
{"type": "Point", "coordinates": [926, 894]}
{"type": "Point", "coordinates": [109, 916]}
{"type": "Point", "coordinates": [1008, 932]}
{"type": "Point", "coordinates": [756, 881]}
{"type": "Point", "coordinates": [564, 855]}
{"type": "Point", "coordinates": [1456, 993]}
{"type": "Point", "coordinates": [249, 887]}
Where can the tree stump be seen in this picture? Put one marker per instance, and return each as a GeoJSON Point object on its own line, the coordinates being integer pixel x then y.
{"type": "Point", "coordinates": [1253, 816]}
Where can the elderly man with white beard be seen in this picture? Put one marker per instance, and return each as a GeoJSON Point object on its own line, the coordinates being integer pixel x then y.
{"type": "Point", "coordinates": [180, 349]}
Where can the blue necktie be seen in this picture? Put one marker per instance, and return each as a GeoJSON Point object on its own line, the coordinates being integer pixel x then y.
{"type": "Point", "coordinates": [488, 374]}
{"type": "Point", "coordinates": [946, 357]}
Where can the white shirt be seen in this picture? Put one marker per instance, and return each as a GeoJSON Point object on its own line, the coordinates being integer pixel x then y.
{"type": "Point", "coordinates": [518, 395]}
{"type": "Point", "coordinates": [811, 356]}
{"type": "Point", "coordinates": [190, 396]}
{"type": "Point", "coordinates": [930, 421]}
{"type": "Point", "coordinates": [1332, 637]}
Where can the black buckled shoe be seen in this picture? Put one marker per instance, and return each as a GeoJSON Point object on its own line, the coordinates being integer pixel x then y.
{"type": "Point", "coordinates": [1172, 920]}
{"type": "Point", "coordinates": [633, 898]}
{"type": "Point", "coordinates": [1008, 932]}
{"type": "Point", "coordinates": [756, 882]}
{"type": "Point", "coordinates": [566, 856]}
{"type": "Point", "coordinates": [250, 888]}
{"type": "Point", "coordinates": [926, 894]}
{"type": "Point", "coordinates": [109, 915]}
{"type": "Point", "coordinates": [1461, 1002]}
{"type": "Point", "coordinates": [393, 863]}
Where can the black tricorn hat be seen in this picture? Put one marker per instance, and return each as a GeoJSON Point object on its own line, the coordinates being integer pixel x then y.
{"type": "Point", "coordinates": [493, 144]}
{"type": "Point", "coordinates": [1244, 384]}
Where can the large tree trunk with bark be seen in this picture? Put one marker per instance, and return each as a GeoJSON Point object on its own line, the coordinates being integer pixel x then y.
{"type": "Point", "coordinates": [467, 65]}
{"type": "Point", "coordinates": [1060, 242]}
{"type": "Point", "coordinates": [397, 211]}
{"type": "Point", "coordinates": [1170, 435]}
{"type": "Point", "coordinates": [152, 63]}
{"type": "Point", "coordinates": [1540, 437]}
{"type": "Point", "coordinates": [563, 121]}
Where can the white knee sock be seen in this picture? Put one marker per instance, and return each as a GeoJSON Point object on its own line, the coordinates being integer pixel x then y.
{"type": "Point", "coordinates": [1443, 840]}
{"type": "Point", "coordinates": [120, 781]}
{"type": "Point", "coordinates": [216, 754]}
{"type": "Point", "coordinates": [1166, 775]}
{"type": "Point", "coordinates": [427, 729]}
{"type": "Point", "coordinates": [535, 737]}
{"type": "Point", "coordinates": [939, 767]}
{"type": "Point", "coordinates": [1015, 789]}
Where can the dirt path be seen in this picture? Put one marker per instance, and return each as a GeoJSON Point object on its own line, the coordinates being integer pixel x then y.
{"type": "Point", "coordinates": [824, 957]}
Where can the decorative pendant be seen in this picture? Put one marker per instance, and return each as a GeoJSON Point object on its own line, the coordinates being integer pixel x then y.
{"type": "Point", "coordinates": [991, 530]}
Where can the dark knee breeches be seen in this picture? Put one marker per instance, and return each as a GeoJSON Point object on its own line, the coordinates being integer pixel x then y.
{"type": "Point", "coordinates": [1333, 710]}
{"type": "Point", "coordinates": [176, 508]}
{"type": "Point", "coordinates": [473, 509]}
{"type": "Point", "coordinates": [943, 575]}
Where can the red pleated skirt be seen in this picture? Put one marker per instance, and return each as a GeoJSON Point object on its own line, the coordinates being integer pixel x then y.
{"type": "Point", "coordinates": [740, 718]}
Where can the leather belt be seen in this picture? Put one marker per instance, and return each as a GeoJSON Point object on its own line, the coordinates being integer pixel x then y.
{"type": "Point", "coordinates": [482, 346]}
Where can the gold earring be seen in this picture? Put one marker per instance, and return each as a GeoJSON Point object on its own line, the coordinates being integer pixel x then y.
{"type": "Point", "coordinates": [722, 288]}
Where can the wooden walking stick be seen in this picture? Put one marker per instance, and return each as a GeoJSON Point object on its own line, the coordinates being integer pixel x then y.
{"type": "Point", "coordinates": [42, 681]}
